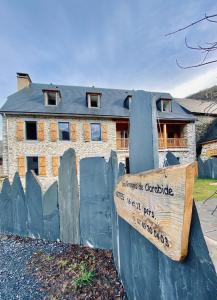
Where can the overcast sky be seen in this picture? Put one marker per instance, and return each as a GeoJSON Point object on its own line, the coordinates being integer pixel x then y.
{"type": "Point", "coordinates": [115, 43]}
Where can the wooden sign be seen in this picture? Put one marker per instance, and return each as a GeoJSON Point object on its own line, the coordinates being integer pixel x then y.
{"type": "Point", "coordinates": [158, 204]}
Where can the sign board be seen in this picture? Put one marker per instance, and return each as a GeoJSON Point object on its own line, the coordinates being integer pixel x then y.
{"type": "Point", "coordinates": [158, 204]}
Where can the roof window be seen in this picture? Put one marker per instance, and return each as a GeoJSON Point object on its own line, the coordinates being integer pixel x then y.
{"type": "Point", "coordinates": [93, 100]}
{"type": "Point", "coordinates": [52, 98]}
{"type": "Point", "coordinates": [127, 101]}
{"type": "Point", "coordinates": [166, 105]}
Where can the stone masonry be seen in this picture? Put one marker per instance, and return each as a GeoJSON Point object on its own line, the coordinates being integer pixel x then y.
{"type": "Point", "coordinates": [12, 148]}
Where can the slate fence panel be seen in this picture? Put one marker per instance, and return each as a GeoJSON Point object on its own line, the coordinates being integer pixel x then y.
{"type": "Point", "coordinates": [20, 214]}
{"type": "Point", "coordinates": [95, 204]}
{"type": "Point", "coordinates": [51, 213]}
{"type": "Point", "coordinates": [207, 168]}
{"type": "Point", "coordinates": [68, 198]}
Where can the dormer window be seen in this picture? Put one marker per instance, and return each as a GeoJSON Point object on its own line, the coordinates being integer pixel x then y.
{"type": "Point", "coordinates": [93, 100]}
{"type": "Point", "coordinates": [52, 98]}
{"type": "Point", "coordinates": [166, 105]}
{"type": "Point", "coordinates": [127, 101]}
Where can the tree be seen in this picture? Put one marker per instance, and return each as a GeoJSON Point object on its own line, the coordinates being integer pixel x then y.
{"type": "Point", "coordinates": [211, 47]}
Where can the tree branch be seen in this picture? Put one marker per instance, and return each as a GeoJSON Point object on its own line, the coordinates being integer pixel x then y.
{"type": "Point", "coordinates": [195, 66]}
{"type": "Point", "coordinates": [208, 18]}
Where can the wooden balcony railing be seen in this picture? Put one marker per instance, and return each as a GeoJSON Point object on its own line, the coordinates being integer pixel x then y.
{"type": "Point", "coordinates": [172, 143]}
{"type": "Point", "coordinates": [122, 143]}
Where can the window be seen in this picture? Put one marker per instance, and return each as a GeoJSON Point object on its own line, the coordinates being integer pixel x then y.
{"type": "Point", "coordinates": [64, 131]}
{"type": "Point", "coordinates": [166, 105]}
{"type": "Point", "coordinates": [32, 164]}
{"type": "Point", "coordinates": [1, 161]}
{"type": "Point", "coordinates": [31, 130]}
{"type": "Point", "coordinates": [95, 132]}
{"type": "Point", "coordinates": [127, 165]}
{"type": "Point", "coordinates": [127, 101]}
{"type": "Point", "coordinates": [93, 100]}
{"type": "Point", "coordinates": [52, 98]}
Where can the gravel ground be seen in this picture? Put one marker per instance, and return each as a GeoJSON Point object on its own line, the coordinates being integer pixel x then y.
{"type": "Point", "coordinates": [15, 281]}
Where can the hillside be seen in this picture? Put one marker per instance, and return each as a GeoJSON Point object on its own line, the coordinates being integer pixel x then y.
{"type": "Point", "coordinates": [207, 94]}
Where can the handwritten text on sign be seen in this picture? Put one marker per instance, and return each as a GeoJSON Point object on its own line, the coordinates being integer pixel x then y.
{"type": "Point", "coordinates": [158, 204]}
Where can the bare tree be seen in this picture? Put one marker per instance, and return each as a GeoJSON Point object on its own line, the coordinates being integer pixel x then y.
{"type": "Point", "coordinates": [211, 47]}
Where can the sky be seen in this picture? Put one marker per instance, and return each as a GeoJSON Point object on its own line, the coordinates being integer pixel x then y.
{"type": "Point", "coordinates": [115, 43]}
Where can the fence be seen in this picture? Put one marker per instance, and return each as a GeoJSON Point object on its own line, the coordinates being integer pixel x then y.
{"type": "Point", "coordinates": [58, 214]}
{"type": "Point", "coordinates": [207, 168]}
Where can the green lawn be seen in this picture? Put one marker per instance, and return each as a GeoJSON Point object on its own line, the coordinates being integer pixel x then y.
{"type": "Point", "coordinates": [203, 189]}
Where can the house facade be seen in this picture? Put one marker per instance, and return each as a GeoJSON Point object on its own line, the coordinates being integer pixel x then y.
{"type": "Point", "coordinates": [205, 113]}
{"type": "Point", "coordinates": [41, 121]}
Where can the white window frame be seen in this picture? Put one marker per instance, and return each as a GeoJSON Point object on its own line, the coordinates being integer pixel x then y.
{"type": "Point", "coordinates": [98, 100]}
{"type": "Point", "coordinates": [46, 97]}
{"type": "Point", "coordinates": [170, 105]}
{"type": "Point", "coordinates": [93, 123]}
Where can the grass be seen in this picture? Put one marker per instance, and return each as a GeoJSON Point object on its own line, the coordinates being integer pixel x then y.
{"type": "Point", "coordinates": [203, 189]}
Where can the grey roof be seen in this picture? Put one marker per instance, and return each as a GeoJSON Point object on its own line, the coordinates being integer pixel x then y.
{"type": "Point", "coordinates": [30, 100]}
{"type": "Point", "coordinates": [199, 106]}
{"type": "Point", "coordinates": [211, 134]}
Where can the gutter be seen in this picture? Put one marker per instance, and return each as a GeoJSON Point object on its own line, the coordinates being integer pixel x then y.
{"type": "Point", "coordinates": [88, 115]}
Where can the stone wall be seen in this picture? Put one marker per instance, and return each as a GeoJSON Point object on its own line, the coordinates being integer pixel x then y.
{"type": "Point", "coordinates": [185, 155]}
{"type": "Point", "coordinates": [205, 149]}
{"type": "Point", "coordinates": [12, 148]}
{"type": "Point", "coordinates": [202, 123]}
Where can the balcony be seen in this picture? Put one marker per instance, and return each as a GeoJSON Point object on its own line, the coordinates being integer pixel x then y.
{"type": "Point", "coordinates": [172, 143]}
{"type": "Point", "coordinates": [122, 143]}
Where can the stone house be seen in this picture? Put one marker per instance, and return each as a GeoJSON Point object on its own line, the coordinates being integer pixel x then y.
{"type": "Point", "coordinates": [205, 113]}
{"type": "Point", "coordinates": [41, 121]}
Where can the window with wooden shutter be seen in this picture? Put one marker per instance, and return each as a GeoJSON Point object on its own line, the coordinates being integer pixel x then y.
{"type": "Point", "coordinates": [86, 127]}
{"type": "Point", "coordinates": [104, 132]}
{"type": "Point", "coordinates": [53, 132]}
{"type": "Point", "coordinates": [73, 132]}
{"type": "Point", "coordinates": [41, 131]}
{"type": "Point", "coordinates": [55, 165]}
{"type": "Point", "coordinates": [20, 131]}
{"type": "Point", "coordinates": [21, 165]}
{"type": "Point", "coordinates": [42, 166]}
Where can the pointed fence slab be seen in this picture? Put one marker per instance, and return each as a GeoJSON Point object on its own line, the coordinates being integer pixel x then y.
{"type": "Point", "coordinates": [51, 213]}
{"type": "Point", "coordinates": [95, 207]}
{"type": "Point", "coordinates": [34, 206]}
{"type": "Point", "coordinates": [20, 215]}
{"type": "Point", "coordinates": [69, 199]}
{"type": "Point", "coordinates": [6, 209]}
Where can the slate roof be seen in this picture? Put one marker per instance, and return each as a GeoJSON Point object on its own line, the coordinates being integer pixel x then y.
{"type": "Point", "coordinates": [211, 134]}
{"type": "Point", "coordinates": [30, 100]}
{"type": "Point", "coordinates": [199, 106]}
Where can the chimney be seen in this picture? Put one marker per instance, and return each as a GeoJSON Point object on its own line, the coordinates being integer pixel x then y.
{"type": "Point", "coordinates": [23, 80]}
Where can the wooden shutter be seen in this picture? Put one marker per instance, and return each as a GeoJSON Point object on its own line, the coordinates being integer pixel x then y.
{"type": "Point", "coordinates": [41, 131]}
{"type": "Point", "coordinates": [20, 131]}
{"type": "Point", "coordinates": [55, 165]}
{"type": "Point", "coordinates": [42, 166]}
{"type": "Point", "coordinates": [21, 165]}
{"type": "Point", "coordinates": [86, 127]}
{"type": "Point", "coordinates": [53, 132]}
{"type": "Point", "coordinates": [104, 132]}
{"type": "Point", "coordinates": [73, 132]}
